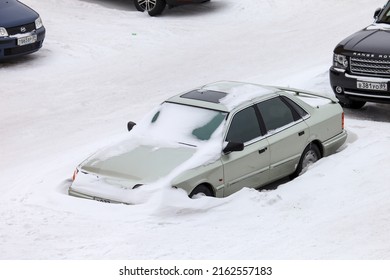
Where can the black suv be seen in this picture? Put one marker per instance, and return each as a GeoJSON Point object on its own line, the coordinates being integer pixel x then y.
{"type": "Point", "coordinates": [361, 64]}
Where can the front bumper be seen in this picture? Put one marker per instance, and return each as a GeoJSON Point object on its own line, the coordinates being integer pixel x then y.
{"type": "Point", "coordinates": [74, 193]}
{"type": "Point", "coordinates": [348, 83]}
{"type": "Point", "coordinates": [10, 49]}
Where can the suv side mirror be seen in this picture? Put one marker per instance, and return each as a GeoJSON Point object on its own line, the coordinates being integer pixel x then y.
{"type": "Point", "coordinates": [377, 12]}
{"type": "Point", "coordinates": [233, 147]}
{"type": "Point", "coordinates": [130, 125]}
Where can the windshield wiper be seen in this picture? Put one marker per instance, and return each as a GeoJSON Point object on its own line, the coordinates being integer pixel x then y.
{"type": "Point", "coordinates": [187, 144]}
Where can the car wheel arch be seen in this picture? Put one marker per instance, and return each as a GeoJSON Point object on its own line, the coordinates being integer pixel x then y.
{"type": "Point", "coordinates": [312, 146]}
{"type": "Point", "coordinates": [319, 146]}
{"type": "Point", "coordinates": [202, 186]}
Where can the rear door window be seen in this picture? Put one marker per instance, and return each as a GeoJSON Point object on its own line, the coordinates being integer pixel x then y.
{"type": "Point", "coordinates": [275, 114]}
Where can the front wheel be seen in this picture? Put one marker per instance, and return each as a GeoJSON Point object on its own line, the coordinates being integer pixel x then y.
{"type": "Point", "coordinates": [153, 7]}
{"type": "Point", "coordinates": [200, 191]}
{"type": "Point", "coordinates": [310, 155]}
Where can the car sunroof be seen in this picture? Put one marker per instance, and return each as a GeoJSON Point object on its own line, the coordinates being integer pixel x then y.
{"type": "Point", "coordinates": [206, 95]}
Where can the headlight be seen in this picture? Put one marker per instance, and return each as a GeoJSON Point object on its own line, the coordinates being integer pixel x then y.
{"type": "Point", "coordinates": [340, 61]}
{"type": "Point", "coordinates": [38, 23]}
{"type": "Point", "coordinates": [3, 32]}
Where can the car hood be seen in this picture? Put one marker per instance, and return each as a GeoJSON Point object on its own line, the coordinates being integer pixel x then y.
{"type": "Point", "coordinates": [373, 39]}
{"type": "Point", "coordinates": [141, 165]}
{"type": "Point", "coordinates": [13, 13]}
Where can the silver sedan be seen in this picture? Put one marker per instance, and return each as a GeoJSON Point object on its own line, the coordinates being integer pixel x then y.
{"type": "Point", "coordinates": [215, 140]}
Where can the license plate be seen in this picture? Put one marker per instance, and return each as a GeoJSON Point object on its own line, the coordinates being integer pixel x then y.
{"type": "Point", "coordinates": [372, 86]}
{"type": "Point", "coordinates": [102, 199]}
{"type": "Point", "coordinates": [27, 40]}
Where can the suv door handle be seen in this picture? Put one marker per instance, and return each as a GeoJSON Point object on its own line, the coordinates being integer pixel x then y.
{"type": "Point", "coordinates": [262, 150]}
{"type": "Point", "coordinates": [301, 133]}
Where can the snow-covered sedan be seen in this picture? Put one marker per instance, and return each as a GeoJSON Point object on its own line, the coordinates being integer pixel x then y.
{"type": "Point", "coordinates": [21, 29]}
{"type": "Point", "coordinates": [215, 140]}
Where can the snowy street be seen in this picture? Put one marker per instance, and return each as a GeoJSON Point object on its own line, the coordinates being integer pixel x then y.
{"type": "Point", "coordinates": [103, 64]}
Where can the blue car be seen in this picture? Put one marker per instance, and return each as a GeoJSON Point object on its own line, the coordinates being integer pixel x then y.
{"type": "Point", "coordinates": [21, 29]}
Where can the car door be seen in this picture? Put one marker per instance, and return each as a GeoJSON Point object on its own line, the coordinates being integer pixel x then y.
{"type": "Point", "coordinates": [287, 134]}
{"type": "Point", "coordinates": [249, 167]}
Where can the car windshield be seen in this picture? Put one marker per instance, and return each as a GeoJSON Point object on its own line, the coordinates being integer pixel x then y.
{"type": "Point", "coordinates": [182, 124]}
{"type": "Point", "coordinates": [384, 15]}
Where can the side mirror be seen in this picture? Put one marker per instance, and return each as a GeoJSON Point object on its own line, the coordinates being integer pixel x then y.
{"type": "Point", "coordinates": [130, 125]}
{"type": "Point", "coordinates": [377, 12]}
{"type": "Point", "coordinates": [233, 147]}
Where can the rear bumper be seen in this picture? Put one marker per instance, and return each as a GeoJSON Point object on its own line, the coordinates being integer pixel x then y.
{"type": "Point", "coordinates": [348, 83]}
{"type": "Point", "coordinates": [10, 49]}
{"type": "Point", "coordinates": [333, 144]}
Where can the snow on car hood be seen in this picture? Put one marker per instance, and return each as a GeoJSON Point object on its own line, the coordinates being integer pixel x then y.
{"type": "Point", "coordinates": [114, 177]}
{"type": "Point", "coordinates": [143, 164]}
{"type": "Point", "coordinates": [142, 174]}
{"type": "Point", "coordinates": [149, 157]}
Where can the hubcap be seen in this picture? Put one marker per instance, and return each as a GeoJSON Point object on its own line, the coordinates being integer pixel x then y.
{"type": "Point", "coordinates": [310, 158]}
{"type": "Point", "coordinates": [147, 5]}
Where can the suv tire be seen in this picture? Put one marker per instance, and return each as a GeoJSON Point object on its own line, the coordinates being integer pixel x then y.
{"type": "Point", "coordinates": [353, 104]}
{"type": "Point", "coordinates": [153, 7]}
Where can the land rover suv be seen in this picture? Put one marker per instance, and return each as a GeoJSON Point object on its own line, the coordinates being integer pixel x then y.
{"type": "Point", "coordinates": [361, 64]}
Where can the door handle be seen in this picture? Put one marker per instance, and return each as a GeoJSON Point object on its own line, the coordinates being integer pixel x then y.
{"type": "Point", "coordinates": [262, 150]}
{"type": "Point", "coordinates": [301, 133]}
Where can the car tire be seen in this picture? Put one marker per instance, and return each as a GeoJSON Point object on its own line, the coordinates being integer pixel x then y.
{"type": "Point", "coordinates": [353, 104]}
{"type": "Point", "coordinates": [201, 190]}
{"type": "Point", "coordinates": [153, 7]}
{"type": "Point", "coordinates": [310, 155]}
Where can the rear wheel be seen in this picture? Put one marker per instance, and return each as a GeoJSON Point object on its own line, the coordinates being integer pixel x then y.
{"type": "Point", "coordinates": [201, 190]}
{"type": "Point", "coordinates": [310, 155]}
{"type": "Point", "coordinates": [153, 7]}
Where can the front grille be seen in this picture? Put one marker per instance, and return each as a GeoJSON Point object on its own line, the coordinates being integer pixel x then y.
{"type": "Point", "coordinates": [22, 49]}
{"type": "Point", "coordinates": [370, 67]}
{"type": "Point", "coordinates": [18, 29]}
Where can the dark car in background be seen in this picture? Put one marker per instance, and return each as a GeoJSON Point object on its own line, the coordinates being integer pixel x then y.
{"type": "Point", "coordinates": [361, 64]}
{"type": "Point", "coordinates": [156, 7]}
{"type": "Point", "coordinates": [21, 29]}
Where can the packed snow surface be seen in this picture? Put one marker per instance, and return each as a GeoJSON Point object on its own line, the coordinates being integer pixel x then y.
{"type": "Point", "coordinates": [103, 64]}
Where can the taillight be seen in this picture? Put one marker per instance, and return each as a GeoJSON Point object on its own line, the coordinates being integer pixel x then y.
{"type": "Point", "coordinates": [342, 120]}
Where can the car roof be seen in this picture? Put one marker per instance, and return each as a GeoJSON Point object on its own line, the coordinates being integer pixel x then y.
{"type": "Point", "coordinates": [224, 95]}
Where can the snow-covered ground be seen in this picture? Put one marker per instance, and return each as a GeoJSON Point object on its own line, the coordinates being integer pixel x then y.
{"type": "Point", "coordinates": [103, 64]}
